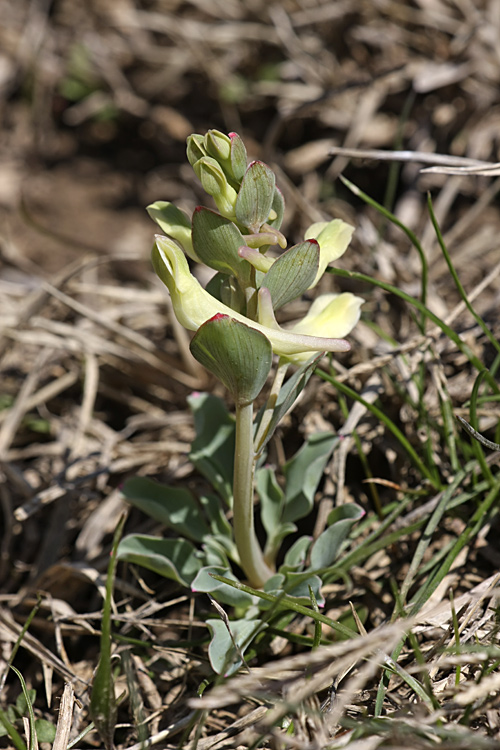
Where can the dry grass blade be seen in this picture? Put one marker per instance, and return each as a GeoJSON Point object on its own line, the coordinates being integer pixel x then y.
{"type": "Point", "coordinates": [461, 164]}
{"type": "Point", "coordinates": [293, 674]}
{"type": "Point", "coordinates": [95, 373]}
{"type": "Point", "coordinates": [65, 718]}
{"type": "Point", "coordinates": [484, 170]}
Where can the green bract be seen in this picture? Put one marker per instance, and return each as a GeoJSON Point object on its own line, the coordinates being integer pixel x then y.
{"type": "Point", "coordinates": [238, 355]}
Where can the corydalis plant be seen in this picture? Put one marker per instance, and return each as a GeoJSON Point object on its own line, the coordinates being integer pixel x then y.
{"type": "Point", "coordinates": [237, 338]}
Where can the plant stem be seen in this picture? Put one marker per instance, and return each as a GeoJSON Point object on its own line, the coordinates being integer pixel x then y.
{"type": "Point", "coordinates": [251, 556]}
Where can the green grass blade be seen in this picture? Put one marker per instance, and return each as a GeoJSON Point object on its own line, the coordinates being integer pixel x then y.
{"type": "Point", "coordinates": [449, 332]}
{"type": "Point", "coordinates": [405, 443]}
{"type": "Point", "coordinates": [491, 338]}
{"type": "Point", "coordinates": [285, 602]}
{"type": "Point", "coordinates": [428, 533]}
{"type": "Point", "coordinates": [29, 705]}
{"type": "Point", "coordinates": [16, 739]}
{"type": "Point", "coordinates": [103, 703]}
{"type": "Point", "coordinates": [411, 236]}
{"type": "Point", "coordinates": [472, 528]}
{"type": "Point", "coordinates": [19, 640]}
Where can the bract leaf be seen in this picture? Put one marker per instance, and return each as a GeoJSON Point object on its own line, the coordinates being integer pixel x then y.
{"type": "Point", "coordinates": [221, 591]}
{"type": "Point", "coordinates": [227, 290]}
{"type": "Point", "coordinates": [176, 559]}
{"type": "Point", "coordinates": [221, 652]}
{"type": "Point", "coordinates": [216, 241]}
{"type": "Point", "coordinates": [175, 508]}
{"type": "Point", "coordinates": [327, 546]}
{"type": "Point", "coordinates": [212, 450]}
{"type": "Point", "coordinates": [255, 196]}
{"type": "Point", "coordinates": [292, 273]}
{"type": "Point", "coordinates": [303, 474]}
{"type": "Point", "coordinates": [240, 356]}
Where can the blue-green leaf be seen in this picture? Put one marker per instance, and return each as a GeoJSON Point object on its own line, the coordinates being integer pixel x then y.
{"type": "Point", "coordinates": [297, 554]}
{"type": "Point", "coordinates": [221, 591]}
{"type": "Point", "coordinates": [271, 509]}
{"type": "Point", "coordinates": [176, 559]}
{"type": "Point", "coordinates": [175, 508]}
{"type": "Point", "coordinates": [221, 652]}
{"type": "Point", "coordinates": [328, 544]}
{"type": "Point", "coordinates": [303, 474]}
{"type": "Point", "coordinates": [295, 586]}
{"type": "Point", "coordinates": [212, 451]}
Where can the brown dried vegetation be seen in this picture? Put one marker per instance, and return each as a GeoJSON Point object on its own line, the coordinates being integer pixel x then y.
{"type": "Point", "coordinates": [96, 100]}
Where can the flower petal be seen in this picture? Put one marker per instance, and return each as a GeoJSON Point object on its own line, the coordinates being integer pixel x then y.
{"type": "Point", "coordinates": [333, 238]}
{"type": "Point", "coordinates": [330, 315]}
{"type": "Point", "coordinates": [193, 305]}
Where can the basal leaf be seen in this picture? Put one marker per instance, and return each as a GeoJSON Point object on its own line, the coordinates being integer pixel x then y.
{"type": "Point", "coordinates": [175, 508]}
{"type": "Point", "coordinates": [176, 559]}
{"type": "Point", "coordinates": [327, 546]}
{"type": "Point", "coordinates": [303, 474]}
{"type": "Point", "coordinates": [221, 652]}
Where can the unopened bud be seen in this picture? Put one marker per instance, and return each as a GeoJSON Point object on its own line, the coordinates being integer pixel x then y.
{"type": "Point", "coordinates": [218, 145]}
{"type": "Point", "coordinates": [215, 183]}
{"type": "Point", "coordinates": [195, 148]}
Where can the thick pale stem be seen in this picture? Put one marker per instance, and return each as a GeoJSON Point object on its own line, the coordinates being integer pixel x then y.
{"type": "Point", "coordinates": [250, 553]}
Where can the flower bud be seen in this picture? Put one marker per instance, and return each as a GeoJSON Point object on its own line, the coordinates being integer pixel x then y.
{"type": "Point", "coordinates": [195, 148]}
{"type": "Point", "coordinates": [218, 145]}
{"type": "Point", "coordinates": [215, 183]}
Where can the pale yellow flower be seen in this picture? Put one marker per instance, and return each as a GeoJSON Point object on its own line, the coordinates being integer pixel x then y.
{"type": "Point", "coordinates": [193, 306]}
